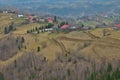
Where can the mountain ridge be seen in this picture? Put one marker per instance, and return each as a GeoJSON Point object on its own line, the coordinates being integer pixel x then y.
{"type": "Point", "coordinates": [65, 8]}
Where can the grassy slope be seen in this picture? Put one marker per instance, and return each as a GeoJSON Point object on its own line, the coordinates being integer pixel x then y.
{"type": "Point", "coordinates": [99, 48]}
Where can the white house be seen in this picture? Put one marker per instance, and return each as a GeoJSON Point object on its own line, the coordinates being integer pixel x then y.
{"type": "Point", "coordinates": [42, 20]}
{"type": "Point", "coordinates": [49, 29]}
{"type": "Point", "coordinates": [20, 15]}
{"type": "Point", "coordinates": [5, 11]}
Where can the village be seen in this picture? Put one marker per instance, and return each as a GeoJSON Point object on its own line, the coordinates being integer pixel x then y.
{"type": "Point", "coordinates": [57, 24]}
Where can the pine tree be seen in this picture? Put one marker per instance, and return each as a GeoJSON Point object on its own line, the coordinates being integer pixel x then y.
{"type": "Point", "coordinates": [38, 32]}
{"type": "Point", "coordinates": [55, 19]}
{"type": "Point", "coordinates": [10, 27]}
{"type": "Point", "coordinates": [28, 31]}
{"type": "Point", "coordinates": [5, 30]}
{"type": "Point", "coordinates": [22, 40]}
{"type": "Point", "coordinates": [36, 28]}
{"type": "Point", "coordinates": [38, 49]}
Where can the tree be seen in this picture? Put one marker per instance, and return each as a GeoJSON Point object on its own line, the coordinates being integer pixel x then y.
{"type": "Point", "coordinates": [19, 47]}
{"type": "Point", "coordinates": [69, 72]}
{"type": "Point", "coordinates": [38, 49]}
{"type": "Point", "coordinates": [28, 31]}
{"type": "Point", "coordinates": [82, 25]}
{"type": "Point", "coordinates": [15, 63]}
{"type": "Point", "coordinates": [33, 29]}
{"type": "Point", "coordinates": [38, 32]}
{"type": "Point", "coordinates": [49, 25]}
{"type": "Point", "coordinates": [36, 28]}
{"type": "Point", "coordinates": [62, 23]}
{"type": "Point", "coordinates": [22, 40]}
{"type": "Point", "coordinates": [5, 30]}
{"type": "Point", "coordinates": [10, 27]}
{"type": "Point", "coordinates": [55, 19]}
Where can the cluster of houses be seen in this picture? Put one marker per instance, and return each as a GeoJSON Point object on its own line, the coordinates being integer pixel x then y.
{"type": "Point", "coordinates": [33, 18]}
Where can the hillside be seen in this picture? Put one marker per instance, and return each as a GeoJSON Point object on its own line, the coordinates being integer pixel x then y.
{"type": "Point", "coordinates": [57, 55]}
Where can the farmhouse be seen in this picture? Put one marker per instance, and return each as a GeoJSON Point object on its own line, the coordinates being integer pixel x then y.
{"type": "Point", "coordinates": [117, 27]}
{"type": "Point", "coordinates": [50, 20]}
{"type": "Point", "coordinates": [66, 26]}
{"type": "Point", "coordinates": [30, 18]}
{"type": "Point", "coordinates": [42, 20]}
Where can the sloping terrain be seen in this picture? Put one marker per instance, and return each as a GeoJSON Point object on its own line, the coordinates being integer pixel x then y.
{"type": "Point", "coordinates": [8, 48]}
{"type": "Point", "coordinates": [56, 56]}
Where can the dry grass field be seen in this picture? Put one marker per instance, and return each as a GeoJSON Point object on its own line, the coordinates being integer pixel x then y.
{"type": "Point", "coordinates": [86, 43]}
{"type": "Point", "coordinates": [89, 44]}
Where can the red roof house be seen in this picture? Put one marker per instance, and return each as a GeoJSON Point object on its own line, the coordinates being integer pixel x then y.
{"type": "Point", "coordinates": [65, 26]}
{"type": "Point", "coordinates": [49, 20]}
{"type": "Point", "coordinates": [118, 25]}
{"type": "Point", "coordinates": [31, 18]}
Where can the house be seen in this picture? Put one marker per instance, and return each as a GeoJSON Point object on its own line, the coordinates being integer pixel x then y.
{"type": "Point", "coordinates": [20, 15]}
{"type": "Point", "coordinates": [42, 20]}
{"type": "Point", "coordinates": [73, 27]}
{"type": "Point", "coordinates": [48, 29]}
{"type": "Point", "coordinates": [117, 27]}
{"type": "Point", "coordinates": [30, 18]}
{"type": "Point", "coordinates": [50, 20]}
{"type": "Point", "coordinates": [66, 26]}
{"type": "Point", "coordinates": [5, 12]}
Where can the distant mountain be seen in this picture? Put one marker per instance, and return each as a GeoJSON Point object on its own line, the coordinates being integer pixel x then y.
{"type": "Point", "coordinates": [66, 7]}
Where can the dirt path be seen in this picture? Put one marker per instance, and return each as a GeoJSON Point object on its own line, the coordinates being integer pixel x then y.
{"type": "Point", "coordinates": [61, 45]}
{"type": "Point", "coordinates": [74, 39]}
{"type": "Point", "coordinates": [92, 35]}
